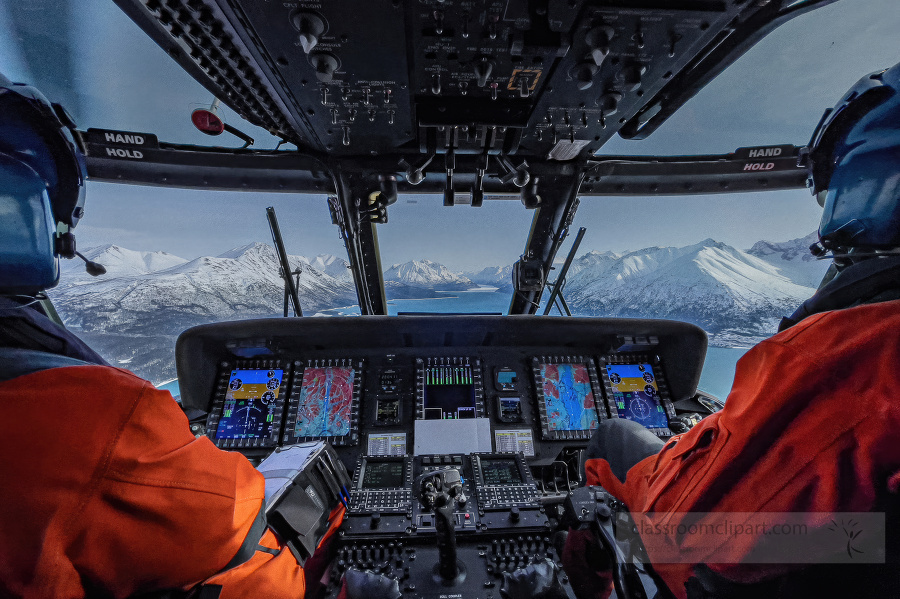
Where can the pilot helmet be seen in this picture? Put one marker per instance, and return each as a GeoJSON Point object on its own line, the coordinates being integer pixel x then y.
{"type": "Point", "coordinates": [42, 175]}
{"type": "Point", "coordinates": [853, 160]}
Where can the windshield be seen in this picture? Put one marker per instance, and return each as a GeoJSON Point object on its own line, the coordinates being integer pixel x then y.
{"type": "Point", "coordinates": [451, 259]}
{"type": "Point", "coordinates": [731, 263]}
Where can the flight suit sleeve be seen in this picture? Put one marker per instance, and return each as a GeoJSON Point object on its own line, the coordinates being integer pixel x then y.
{"type": "Point", "coordinates": [172, 510]}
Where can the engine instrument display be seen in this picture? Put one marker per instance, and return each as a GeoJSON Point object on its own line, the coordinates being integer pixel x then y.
{"type": "Point", "coordinates": [324, 403]}
{"type": "Point", "coordinates": [249, 406]}
{"type": "Point", "coordinates": [567, 397]}
{"type": "Point", "coordinates": [449, 388]}
{"type": "Point", "coordinates": [449, 393]}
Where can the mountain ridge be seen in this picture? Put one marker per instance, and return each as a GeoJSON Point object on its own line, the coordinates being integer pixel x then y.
{"type": "Point", "coordinates": [133, 314]}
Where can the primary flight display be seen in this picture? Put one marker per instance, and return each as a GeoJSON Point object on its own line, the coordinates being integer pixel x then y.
{"type": "Point", "coordinates": [635, 391]}
{"type": "Point", "coordinates": [250, 404]}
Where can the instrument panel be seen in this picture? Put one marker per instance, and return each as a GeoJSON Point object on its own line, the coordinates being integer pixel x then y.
{"type": "Point", "coordinates": [261, 404]}
{"type": "Point", "coordinates": [499, 408]}
{"type": "Point", "coordinates": [435, 385]}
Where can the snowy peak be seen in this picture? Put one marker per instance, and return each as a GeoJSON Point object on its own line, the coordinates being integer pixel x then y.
{"type": "Point", "coordinates": [730, 293]}
{"type": "Point", "coordinates": [795, 249]}
{"type": "Point", "coordinates": [492, 275]}
{"type": "Point", "coordinates": [793, 259]}
{"type": "Point", "coordinates": [332, 266]}
{"type": "Point", "coordinates": [264, 254]}
{"type": "Point", "coordinates": [251, 250]}
{"type": "Point", "coordinates": [119, 262]}
{"type": "Point", "coordinates": [425, 273]}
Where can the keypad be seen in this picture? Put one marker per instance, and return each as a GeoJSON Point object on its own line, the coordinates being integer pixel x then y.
{"type": "Point", "coordinates": [507, 496]}
{"type": "Point", "coordinates": [389, 500]}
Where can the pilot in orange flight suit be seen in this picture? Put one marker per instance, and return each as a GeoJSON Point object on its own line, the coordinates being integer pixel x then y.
{"type": "Point", "coordinates": [105, 491]}
{"type": "Point", "coordinates": [812, 423]}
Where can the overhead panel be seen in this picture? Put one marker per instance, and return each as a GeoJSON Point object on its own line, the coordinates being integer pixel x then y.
{"type": "Point", "coordinates": [541, 79]}
{"type": "Point", "coordinates": [344, 67]}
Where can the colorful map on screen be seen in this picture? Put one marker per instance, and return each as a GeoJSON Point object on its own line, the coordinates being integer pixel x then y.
{"type": "Point", "coordinates": [325, 400]}
{"type": "Point", "coordinates": [636, 394]}
{"type": "Point", "coordinates": [567, 393]}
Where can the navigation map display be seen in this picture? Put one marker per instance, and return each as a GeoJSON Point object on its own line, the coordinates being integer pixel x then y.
{"type": "Point", "coordinates": [568, 397]}
{"type": "Point", "coordinates": [636, 394]}
{"type": "Point", "coordinates": [326, 398]}
{"type": "Point", "coordinates": [383, 475]}
{"type": "Point", "coordinates": [500, 472]}
{"type": "Point", "coordinates": [251, 402]}
{"type": "Point", "coordinates": [449, 393]}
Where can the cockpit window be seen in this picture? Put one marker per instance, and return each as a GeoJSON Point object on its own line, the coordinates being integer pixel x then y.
{"type": "Point", "coordinates": [180, 258]}
{"type": "Point", "coordinates": [451, 259]}
{"type": "Point", "coordinates": [90, 57]}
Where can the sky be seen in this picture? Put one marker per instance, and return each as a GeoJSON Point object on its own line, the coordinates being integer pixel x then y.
{"type": "Point", "coordinates": [109, 75]}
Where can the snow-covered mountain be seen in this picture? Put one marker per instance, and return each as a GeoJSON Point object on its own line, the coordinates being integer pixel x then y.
{"type": "Point", "coordinates": [736, 297]}
{"type": "Point", "coordinates": [133, 314]}
{"type": "Point", "coordinates": [118, 262]}
{"type": "Point", "coordinates": [153, 298]}
{"type": "Point", "coordinates": [793, 259]}
{"type": "Point", "coordinates": [494, 276]}
{"type": "Point", "coordinates": [427, 274]}
{"type": "Point", "coordinates": [332, 266]}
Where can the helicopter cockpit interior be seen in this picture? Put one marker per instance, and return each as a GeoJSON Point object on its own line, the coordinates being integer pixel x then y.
{"type": "Point", "coordinates": [478, 101]}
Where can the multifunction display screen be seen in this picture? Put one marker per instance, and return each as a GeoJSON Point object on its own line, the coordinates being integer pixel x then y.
{"type": "Point", "coordinates": [387, 409]}
{"type": "Point", "coordinates": [251, 401]}
{"type": "Point", "coordinates": [500, 472]}
{"type": "Point", "coordinates": [326, 399]}
{"type": "Point", "coordinates": [449, 393]}
{"type": "Point", "coordinates": [383, 475]}
{"type": "Point", "coordinates": [570, 401]}
{"type": "Point", "coordinates": [636, 394]}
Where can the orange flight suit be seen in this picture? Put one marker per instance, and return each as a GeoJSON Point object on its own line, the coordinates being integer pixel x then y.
{"type": "Point", "coordinates": [812, 424]}
{"type": "Point", "coordinates": [104, 488]}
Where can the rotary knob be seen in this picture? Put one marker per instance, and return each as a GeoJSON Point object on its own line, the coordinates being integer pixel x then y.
{"type": "Point", "coordinates": [583, 74]}
{"type": "Point", "coordinates": [598, 40]}
{"type": "Point", "coordinates": [325, 65]}
{"type": "Point", "coordinates": [609, 103]}
{"type": "Point", "coordinates": [631, 77]}
{"type": "Point", "coordinates": [311, 27]}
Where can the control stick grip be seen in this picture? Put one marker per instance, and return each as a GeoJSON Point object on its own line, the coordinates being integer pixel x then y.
{"type": "Point", "coordinates": [444, 524]}
{"type": "Point", "coordinates": [439, 492]}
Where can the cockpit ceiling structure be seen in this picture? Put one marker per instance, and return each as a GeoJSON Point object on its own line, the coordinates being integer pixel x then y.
{"type": "Point", "coordinates": [526, 78]}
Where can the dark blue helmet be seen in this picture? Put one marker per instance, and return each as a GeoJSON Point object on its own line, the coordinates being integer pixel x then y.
{"type": "Point", "coordinates": [854, 165]}
{"type": "Point", "coordinates": [42, 175]}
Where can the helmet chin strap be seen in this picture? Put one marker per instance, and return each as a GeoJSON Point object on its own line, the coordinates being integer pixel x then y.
{"type": "Point", "coordinates": [29, 299]}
